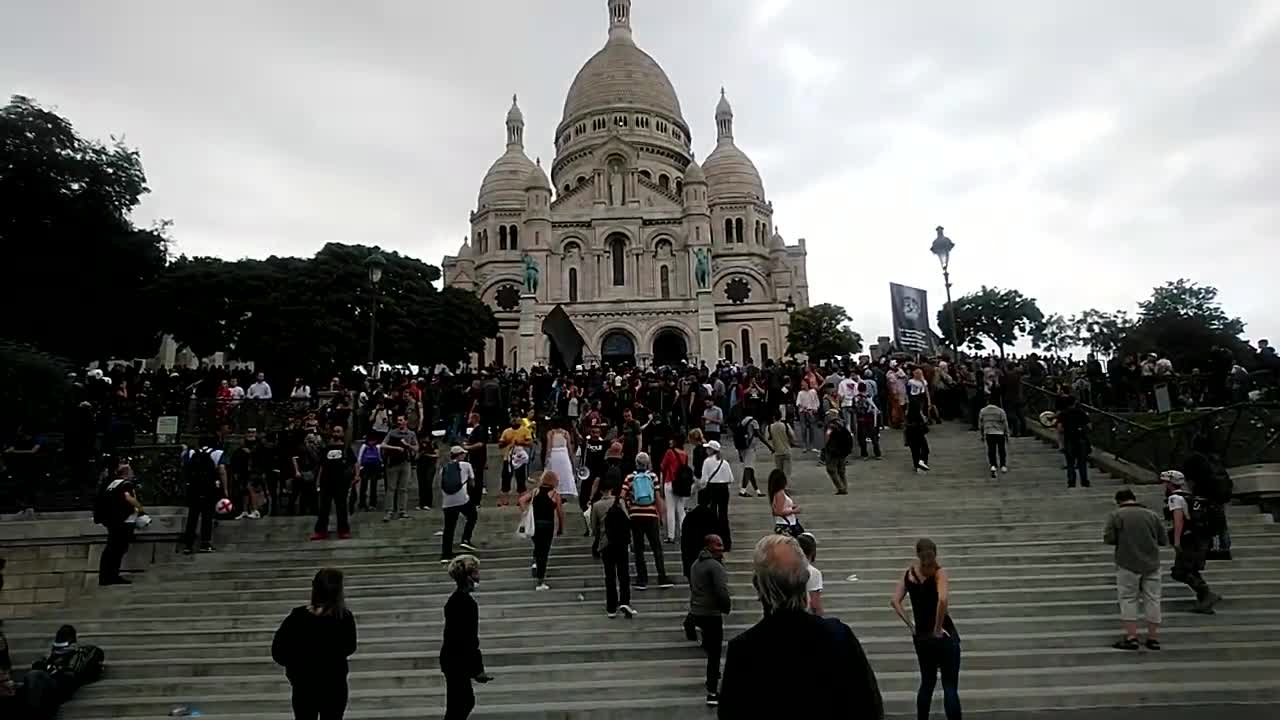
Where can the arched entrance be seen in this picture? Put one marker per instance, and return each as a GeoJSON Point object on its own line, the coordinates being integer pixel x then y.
{"type": "Point", "coordinates": [617, 348]}
{"type": "Point", "coordinates": [669, 347]}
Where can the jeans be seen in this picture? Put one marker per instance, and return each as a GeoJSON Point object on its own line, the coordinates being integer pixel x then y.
{"type": "Point", "coordinates": [646, 528]}
{"type": "Point", "coordinates": [617, 577]}
{"type": "Point", "coordinates": [426, 480]}
{"type": "Point", "coordinates": [322, 702]}
{"type": "Point", "coordinates": [718, 500]}
{"type": "Point", "coordinates": [451, 523]}
{"type": "Point", "coordinates": [836, 471]}
{"type": "Point", "coordinates": [810, 430]}
{"type": "Point", "coordinates": [938, 655]}
{"type": "Point", "coordinates": [368, 492]}
{"type": "Point", "coordinates": [868, 432]}
{"type": "Point", "coordinates": [996, 451]}
{"type": "Point", "coordinates": [1077, 457]}
{"type": "Point", "coordinates": [398, 486]}
{"type": "Point", "coordinates": [460, 698]}
{"type": "Point", "coordinates": [919, 445]}
{"type": "Point", "coordinates": [333, 492]}
{"type": "Point", "coordinates": [543, 533]}
{"type": "Point", "coordinates": [199, 509]}
{"type": "Point", "coordinates": [783, 462]}
{"type": "Point", "coordinates": [712, 627]}
{"type": "Point", "coordinates": [118, 538]}
{"type": "Point", "coordinates": [1188, 563]}
{"type": "Point", "coordinates": [675, 512]}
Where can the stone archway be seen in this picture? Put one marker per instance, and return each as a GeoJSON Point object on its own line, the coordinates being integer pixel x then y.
{"type": "Point", "coordinates": [669, 347]}
{"type": "Point", "coordinates": [617, 348]}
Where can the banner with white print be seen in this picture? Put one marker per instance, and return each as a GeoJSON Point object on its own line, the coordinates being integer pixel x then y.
{"type": "Point", "coordinates": [911, 331]}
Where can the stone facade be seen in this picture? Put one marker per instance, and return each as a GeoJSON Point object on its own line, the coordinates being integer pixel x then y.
{"type": "Point", "coordinates": [616, 230]}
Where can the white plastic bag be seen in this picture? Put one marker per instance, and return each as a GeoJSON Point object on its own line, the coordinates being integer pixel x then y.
{"type": "Point", "coordinates": [524, 531]}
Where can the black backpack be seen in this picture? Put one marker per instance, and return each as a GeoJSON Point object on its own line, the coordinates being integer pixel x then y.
{"type": "Point", "coordinates": [617, 526]}
{"type": "Point", "coordinates": [451, 478]}
{"type": "Point", "coordinates": [109, 503]}
{"type": "Point", "coordinates": [1208, 518]}
{"type": "Point", "coordinates": [840, 443]}
{"type": "Point", "coordinates": [682, 483]}
{"type": "Point", "coordinates": [201, 470]}
{"type": "Point", "coordinates": [742, 435]}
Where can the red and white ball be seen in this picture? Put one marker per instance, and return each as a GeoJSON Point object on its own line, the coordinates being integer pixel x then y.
{"type": "Point", "coordinates": [223, 507]}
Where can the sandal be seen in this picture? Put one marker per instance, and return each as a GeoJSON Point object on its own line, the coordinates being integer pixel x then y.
{"type": "Point", "coordinates": [1126, 644]}
{"type": "Point", "coordinates": [1153, 644]}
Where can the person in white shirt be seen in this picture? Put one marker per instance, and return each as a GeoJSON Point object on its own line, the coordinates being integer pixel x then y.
{"type": "Point", "coordinates": [807, 405]}
{"type": "Point", "coordinates": [301, 390]}
{"type": "Point", "coordinates": [717, 479]}
{"type": "Point", "coordinates": [260, 390]}
{"type": "Point", "coordinates": [809, 544]}
{"type": "Point", "coordinates": [458, 502]}
{"type": "Point", "coordinates": [847, 390]}
{"type": "Point", "coordinates": [237, 392]}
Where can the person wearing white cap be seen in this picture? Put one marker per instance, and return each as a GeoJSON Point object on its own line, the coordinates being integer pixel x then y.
{"type": "Point", "coordinates": [717, 479]}
{"type": "Point", "coordinates": [457, 480]}
{"type": "Point", "coordinates": [1192, 531]}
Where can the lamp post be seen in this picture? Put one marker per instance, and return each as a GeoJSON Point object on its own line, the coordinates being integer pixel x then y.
{"type": "Point", "coordinates": [942, 247]}
{"type": "Point", "coordinates": [374, 264]}
{"type": "Point", "coordinates": [790, 307]}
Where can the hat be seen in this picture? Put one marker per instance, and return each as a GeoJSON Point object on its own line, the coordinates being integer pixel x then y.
{"type": "Point", "coordinates": [1174, 477]}
{"type": "Point", "coordinates": [615, 451]}
{"type": "Point", "coordinates": [713, 446]}
{"type": "Point", "coordinates": [456, 450]}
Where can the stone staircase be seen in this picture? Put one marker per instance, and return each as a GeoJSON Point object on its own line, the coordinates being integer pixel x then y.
{"type": "Point", "coordinates": [1033, 598]}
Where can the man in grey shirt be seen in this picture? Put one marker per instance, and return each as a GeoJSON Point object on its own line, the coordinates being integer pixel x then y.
{"type": "Point", "coordinates": [709, 602]}
{"type": "Point", "coordinates": [1137, 534]}
{"type": "Point", "coordinates": [712, 420]}
{"type": "Point", "coordinates": [400, 448]}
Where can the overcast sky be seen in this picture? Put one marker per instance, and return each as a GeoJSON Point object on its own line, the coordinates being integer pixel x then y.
{"type": "Point", "coordinates": [1079, 151]}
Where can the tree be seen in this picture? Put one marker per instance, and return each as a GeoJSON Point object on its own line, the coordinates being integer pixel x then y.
{"type": "Point", "coordinates": [78, 262]}
{"type": "Point", "coordinates": [822, 331]}
{"type": "Point", "coordinates": [1102, 332]}
{"type": "Point", "coordinates": [1056, 334]}
{"type": "Point", "coordinates": [33, 388]}
{"type": "Point", "coordinates": [1184, 322]}
{"type": "Point", "coordinates": [1001, 316]}
{"type": "Point", "coordinates": [311, 316]}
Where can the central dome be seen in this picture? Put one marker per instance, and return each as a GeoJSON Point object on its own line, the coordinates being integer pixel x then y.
{"type": "Point", "coordinates": [621, 75]}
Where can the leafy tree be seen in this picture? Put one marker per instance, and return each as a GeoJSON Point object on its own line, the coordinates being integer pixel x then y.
{"type": "Point", "coordinates": [77, 262]}
{"type": "Point", "coordinates": [33, 388]}
{"type": "Point", "coordinates": [1184, 322]}
{"type": "Point", "coordinates": [1056, 335]}
{"type": "Point", "coordinates": [1001, 316]}
{"type": "Point", "coordinates": [822, 331]}
{"type": "Point", "coordinates": [1102, 332]}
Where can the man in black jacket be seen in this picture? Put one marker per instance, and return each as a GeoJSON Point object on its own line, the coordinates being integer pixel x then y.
{"type": "Point", "coordinates": [709, 602]}
{"type": "Point", "coordinates": [822, 653]}
{"type": "Point", "coordinates": [460, 657]}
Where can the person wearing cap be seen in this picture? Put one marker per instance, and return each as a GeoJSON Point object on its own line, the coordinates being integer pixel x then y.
{"type": "Point", "coordinates": [69, 666]}
{"type": "Point", "coordinates": [716, 481]}
{"type": "Point", "coordinates": [1190, 546]}
{"type": "Point", "coordinates": [457, 501]}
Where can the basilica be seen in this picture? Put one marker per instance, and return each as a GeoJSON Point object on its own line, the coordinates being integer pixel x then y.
{"type": "Point", "coordinates": [653, 258]}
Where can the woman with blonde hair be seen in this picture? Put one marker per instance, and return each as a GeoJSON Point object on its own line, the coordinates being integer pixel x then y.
{"type": "Point", "coordinates": [313, 644]}
{"type": "Point", "coordinates": [548, 520]}
{"type": "Point", "coordinates": [936, 640]}
{"type": "Point", "coordinates": [460, 658]}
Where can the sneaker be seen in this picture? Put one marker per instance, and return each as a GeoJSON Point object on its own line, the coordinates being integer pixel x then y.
{"type": "Point", "coordinates": [187, 551]}
{"type": "Point", "coordinates": [627, 611]}
{"type": "Point", "coordinates": [640, 586]}
{"type": "Point", "coordinates": [320, 536]}
{"type": "Point", "coordinates": [1153, 644]}
{"type": "Point", "coordinates": [743, 493]}
{"type": "Point", "coordinates": [206, 549]}
{"type": "Point", "coordinates": [993, 471]}
{"type": "Point", "coordinates": [924, 467]}
{"type": "Point", "coordinates": [242, 516]}
{"type": "Point", "coordinates": [386, 517]}
{"type": "Point", "coordinates": [1127, 644]}
{"type": "Point", "coordinates": [666, 584]}
{"type": "Point", "coordinates": [713, 700]}
{"type": "Point", "coordinates": [877, 458]}
{"type": "Point", "coordinates": [1004, 468]}
{"type": "Point", "coordinates": [611, 615]}
{"type": "Point", "coordinates": [542, 586]}
{"type": "Point", "coordinates": [255, 515]}
{"type": "Point", "coordinates": [438, 533]}
{"type": "Point", "coordinates": [344, 535]}
{"type": "Point", "coordinates": [466, 545]}
{"type": "Point", "coordinates": [758, 493]}
{"type": "Point", "coordinates": [404, 516]}
{"type": "Point", "coordinates": [445, 561]}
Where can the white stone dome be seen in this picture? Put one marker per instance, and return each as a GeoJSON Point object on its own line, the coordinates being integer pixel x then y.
{"type": "Point", "coordinates": [693, 173]}
{"type": "Point", "coordinates": [730, 174]}
{"type": "Point", "coordinates": [621, 75]}
{"type": "Point", "coordinates": [537, 178]}
{"type": "Point", "coordinates": [506, 181]}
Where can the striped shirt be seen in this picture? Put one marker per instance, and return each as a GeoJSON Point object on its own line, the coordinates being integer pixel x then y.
{"type": "Point", "coordinates": [643, 511]}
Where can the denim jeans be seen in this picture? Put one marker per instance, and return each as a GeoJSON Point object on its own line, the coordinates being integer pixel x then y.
{"type": "Point", "coordinates": [938, 656]}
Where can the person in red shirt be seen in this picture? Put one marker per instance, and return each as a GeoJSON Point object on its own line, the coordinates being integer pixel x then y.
{"type": "Point", "coordinates": [672, 460]}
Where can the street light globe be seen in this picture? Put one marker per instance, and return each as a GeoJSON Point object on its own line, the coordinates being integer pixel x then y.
{"type": "Point", "coordinates": [790, 306]}
{"type": "Point", "coordinates": [942, 247]}
{"type": "Point", "coordinates": [375, 263]}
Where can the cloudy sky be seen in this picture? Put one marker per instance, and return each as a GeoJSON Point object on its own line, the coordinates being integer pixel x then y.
{"type": "Point", "coordinates": [1079, 151]}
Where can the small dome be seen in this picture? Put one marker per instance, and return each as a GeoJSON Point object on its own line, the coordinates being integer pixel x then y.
{"type": "Point", "coordinates": [537, 179]}
{"type": "Point", "coordinates": [693, 173]}
{"type": "Point", "coordinates": [514, 115]}
{"type": "Point", "coordinates": [776, 242]}
{"type": "Point", "coordinates": [730, 173]}
{"type": "Point", "coordinates": [465, 250]}
{"type": "Point", "coordinates": [505, 183]}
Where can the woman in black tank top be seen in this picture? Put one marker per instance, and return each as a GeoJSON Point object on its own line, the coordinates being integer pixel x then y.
{"type": "Point", "coordinates": [936, 640]}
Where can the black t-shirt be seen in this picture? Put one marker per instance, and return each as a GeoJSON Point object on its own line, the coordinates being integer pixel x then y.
{"type": "Point", "coordinates": [630, 435]}
{"type": "Point", "coordinates": [338, 461]}
{"type": "Point", "coordinates": [480, 456]}
{"type": "Point", "coordinates": [1075, 422]}
{"type": "Point", "coordinates": [595, 451]}
{"type": "Point", "coordinates": [241, 461]}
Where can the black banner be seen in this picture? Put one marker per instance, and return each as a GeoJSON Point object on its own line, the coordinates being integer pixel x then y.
{"type": "Point", "coordinates": [565, 334]}
{"type": "Point", "coordinates": [911, 330]}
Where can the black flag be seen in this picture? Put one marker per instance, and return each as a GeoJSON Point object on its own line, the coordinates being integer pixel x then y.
{"type": "Point", "coordinates": [564, 334]}
{"type": "Point", "coordinates": [911, 318]}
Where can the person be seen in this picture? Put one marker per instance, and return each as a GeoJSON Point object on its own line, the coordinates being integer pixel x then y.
{"type": "Point", "coordinates": [916, 433]}
{"type": "Point", "coordinates": [313, 644]}
{"type": "Point", "coordinates": [457, 482]}
{"type": "Point", "coordinates": [644, 506]}
{"type": "Point", "coordinates": [709, 602]}
{"type": "Point", "coordinates": [712, 420]}
{"type": "Point", "coordinates": [807, 405]}
{"type": "Point", "coordinates": [809, 545]}
{"type": "Point", "coordinates": [611, 528]}
{"type": "Point", "coordinates": [1208, 476]}
{"type": "Point", "coordinates": [823, 656]}
{"type": "Point", "coordinates": [780, 438]}
{"type": "Point", "coordinates": [1192, 520]}
{"type": "Point", "coordinates": [838, 448]}
{"type": "Point", "coordinates": [1137, 535]}
{"type": "Point", "coordinates": [515, 443]}
{"type": "Point", "coordinates": [400, 448]}
{"type": "Point", "coordinates": [1073, 425]}
{"type": "Point", "coordinates": [867, 417]}
{"type": "Point", "coordinates": [594, 449]}
{"type": "Point", "coordinates": [846, 390]}
{"type": "Point", "coordinates": [54, 679]}
{"type": "Point", "coordinates": [371, 473]}
{"type": "Point", "coordinates": [114, 508]}
{"type": "Point", "coordinates": [205, 477]}
{"type": "Point", "coordinates": [934, 633]}
{"type": "Point", "coordinates": [548, 520]}
{"type": "Point", "coordinates": [994, 425]}
{"type": "Point", "coordinates": [244, 477]}
{"type": "Point", "coordinates": [560, 453]}
{"type": "Point", "coordinates": [745, 431]}
{"type": "Point", "coordinates": [715, 480]}
{"type": "Point", "coordinates": [460, 658]}
{"type": "Point", "coordinates": [339, 471]}
{"type": "Point", "coordinates": [428, 460]}
{"type": "Point", "coordinates": [784, 508]}
{"type": "Point", "coordinates": [699, 522]}
{"type": "Point", "coordinates": [677, 484]}
{"type": "Point", "coordinates": [476, 445]}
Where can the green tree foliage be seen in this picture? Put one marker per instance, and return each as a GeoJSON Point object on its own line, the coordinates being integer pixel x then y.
{"type": "Point", "coordinates": [1102, 332]}
{"type": "Point", "coordinates": [33, 388]}
{"type": "Point", "coordinates": [1184, 322]}
{"type": "Point", "coordinates": [77, 263]}
{"type": "Point", "coordinates": [993, 314]}
{"type": "Point", "coordinates": [822, 331]}
{"type": "Point", "coordinates": [1056, 335]}
{"type": "Point", "coordinates": [311, 316]}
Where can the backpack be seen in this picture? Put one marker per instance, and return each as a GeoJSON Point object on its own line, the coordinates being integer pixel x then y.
{"type": "Point", "coordinates": [1220, 487]}
{"type": "Point", "coordinates": [1208, 519]}
{"type": "Point", "coordinates": [864, 407]}
{"type": "Point", "coordinates": [370, 457]}
{"type": "Point", "coordinates": [201, 470]}
{"type": "Point", "coordinates": [682, 483]}
{"type": "Point", "coordinates": [451, 478]}
{"type": "Point", "coordinates": [617, 527]}
{"type": "Point", "coordinates": [840, 443]}
{"type": "Point", "coordinates": [742, 434]}
{"type": "Point", "coordinates": [642, 492]}
{"type": "Point", "coordinates": [108, 503]}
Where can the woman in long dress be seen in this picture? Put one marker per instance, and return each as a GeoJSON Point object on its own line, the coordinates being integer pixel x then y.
{"type": "Point", "coordinates": [560, 460]}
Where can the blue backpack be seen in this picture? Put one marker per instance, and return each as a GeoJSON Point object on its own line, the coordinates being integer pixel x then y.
{"type": "Point", "coordinates": [642, 490]}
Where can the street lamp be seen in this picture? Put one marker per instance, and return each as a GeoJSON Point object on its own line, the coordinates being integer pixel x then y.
{"type": "Point", "coordinates": [942, 247]}
{"type": "Point", "coordinates": [374, 264]}
{"type": "Point", "coordinates": [790, 307]}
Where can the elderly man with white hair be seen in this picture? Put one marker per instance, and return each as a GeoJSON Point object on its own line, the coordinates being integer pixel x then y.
{"type": "Point", "coordinates": [819, 654]}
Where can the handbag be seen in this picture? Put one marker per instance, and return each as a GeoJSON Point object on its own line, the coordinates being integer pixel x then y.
{"type": "Point", "coordinates": [524, 531]}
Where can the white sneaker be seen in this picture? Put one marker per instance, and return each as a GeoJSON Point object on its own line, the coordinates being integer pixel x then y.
{"type": "Point", "coordinates": [924, 467]}
{"type": "Point", "coordinates": [611, 615]}
{"type": "Point", "coordinates": [438, 533]}
{"type": "Point", "coordinates": [1004, 469]}
{"type": "Point", "coordinates": [542, 586]}
{"type": "Point", "coordinates": [758, 493]}
{"type": "Point", "coordinates": [628, 611]}
{"type": "Point", "coordinates": [255, 515]}
{"type": "Point", "coordinates": [242, 516]}
{"type": "Point", "coordinates": [743, 493]}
